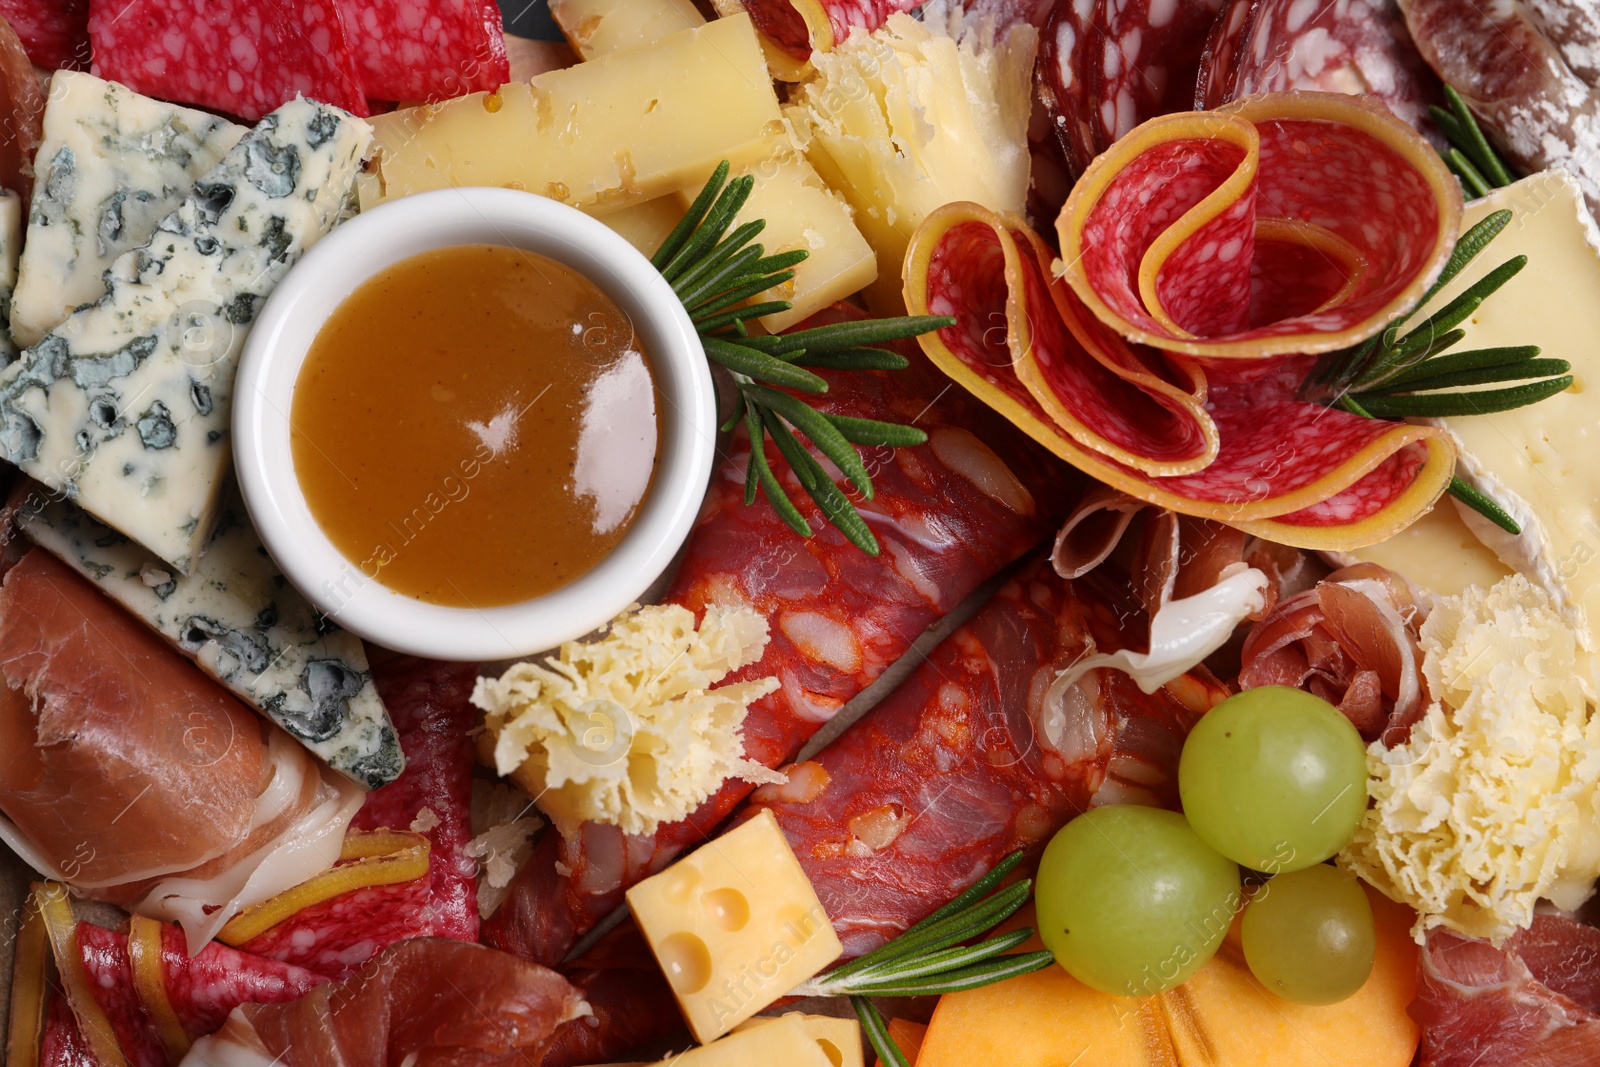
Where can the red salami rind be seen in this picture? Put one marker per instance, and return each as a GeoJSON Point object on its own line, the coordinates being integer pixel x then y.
{"type": "Point", "coordinates": [948, 514]}
{"type": "Point", "coordinates": [432, 50]}
{"type": "Point", "coordinates": [55, 32]}
{"type": "Point", "coordinates": [1283, 468]}
{"type": "Point", "coordinates": [1109, 65]}
{"type": "Point", "coordinates": [1534, 1001]}
{"type": "Point", "coordinates": [1344, 46]}
{"type": "Point", "coordinates": [429, 702]}
{"type": "Point", "coordinates": [235, 56]}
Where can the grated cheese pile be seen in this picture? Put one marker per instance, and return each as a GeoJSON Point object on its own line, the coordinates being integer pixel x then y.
{"type": "Point", "coordinates": [627, 729]}
{"type": "Point", "coordinates": [1490, 804]}
{"type": "Point", "coordinates": [502, 827]}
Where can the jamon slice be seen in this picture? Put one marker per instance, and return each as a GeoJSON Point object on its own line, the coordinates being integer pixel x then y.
{"type": "Point", "coordinates": [428, 701]}
{"type": "Point", "coordinates": [433, 50]}
{"type": "Point", "coordinates": [429, 1001]}
{"type": "Point", "coordinates": [238, 56]}
{"type": "Point", "coordinates": [21, 109]}
{"type": "Point", "coordinates": [55, 32]}
{"type": "Point", "coordinates": [1533, 1003]}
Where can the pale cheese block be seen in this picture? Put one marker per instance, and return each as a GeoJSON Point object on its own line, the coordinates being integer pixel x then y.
{"type": "Point", "coordinates": [1542, 463]}
{"type": "Point", "coordinates": [645, 226]}
{"type": "Point", "coordinates": [111, 165]}
{"type": "Point", "coordinates": [1438, 554]}
{"type": "Point", "coordinates": [125, 408]}
{"type": "Point", "coordinates": [598, 27]}
{"type": "Point", "coordinates": [783, 1043]}
{"type": "Point", "coordinates": [802, 212]}
{"type": "Point", "coordinates": [839, 1039]}
{"type": "Point", "coordinates": [735, 925]}
{"type": "Point", "coordinates": [618, 130]}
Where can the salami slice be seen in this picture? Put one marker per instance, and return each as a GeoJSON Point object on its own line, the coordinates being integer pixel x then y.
{"type": "Point", "coordinates": [55, 32]}
{"type": "Point", "coordinates": [236, 56]}
{"type": "Point", "coordinates": [429, 703]}
{"type": "Point", "coordinates": [1281, 468]}
{"type": "Point", "coordinates": [1108, 65]}
{"type": "Point", "coordinates": [949, 514]}
{"type": "Point", "coordinates": [63, 1044]}
{"type": "Point", "coordinates": [202, 989]}
{"type": "Point", "coordinates": [1342, 46]}
{"type": "Point", "coordinates": [797, 28]}
{"type": "Point", "coordinates": [1511, 67]}
{"type": "Point", "coordinates": [406, 50]}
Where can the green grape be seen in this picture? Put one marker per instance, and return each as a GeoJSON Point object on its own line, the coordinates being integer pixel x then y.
{"type": "Point", "coordinates": [1131, 901]}
{"type": "Point", "coordinates": [1274, 779]}
{"type": "Point", "coordinates": [1308, 935]}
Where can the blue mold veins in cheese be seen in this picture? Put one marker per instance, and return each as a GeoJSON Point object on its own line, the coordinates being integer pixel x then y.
{"type": "Point", "coordinates": [244, 624]}
{"type": "Point", "coordinates": [124, 407]}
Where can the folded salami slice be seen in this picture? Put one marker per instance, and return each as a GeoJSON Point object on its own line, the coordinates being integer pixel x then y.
{"type": "Point", "coordinates": [55, 32]}
{"type": "Point", "coordinates": [1202, 254]}
{"type": "Point", "coordinates": [406, 50]}
{"type": "Point", "coordinates": [428, 701]}
{"type": "Point", "coordinates": [1108, 65]}
{"type": "Point", "coordinates": [237, 56]}
{"type": "Point", "coordinates": [1345, 46]}
{"type": "Point", "coordinates": [949, 515]}
{"type": "Point", "coordinates": [796, 28]}
{"type": "Point", "coordinates": [1529, 71]}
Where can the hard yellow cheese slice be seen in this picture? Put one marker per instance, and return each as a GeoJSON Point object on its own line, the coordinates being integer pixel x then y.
{"type": "Point", "coordinates": [1542, 463]}
{"type": "Point", "coordinates": [597, 27]}
{"type": "Point", "coordinates": [735, 926]}
{"type": "Point", "coordinates": [615, 131]}
{"type": "Point", "coordinates": [839, 1039]}
{"type": "Point", "coordinates": [1438, 554]}
{"type": "Point", "coordinates": [802, 212]}
{"type": "Point", "coordinates": [783, 1043]}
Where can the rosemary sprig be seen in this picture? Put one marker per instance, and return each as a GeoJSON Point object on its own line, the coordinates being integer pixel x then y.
{"type": "Point", "coordinates": [1407, 375]}
{"type": "Point", "coordinates": [932, 957]}
{"type": "Point", "coordinates": [1478, 166]}
{"type": "Point", "coordinates": [715, 272]}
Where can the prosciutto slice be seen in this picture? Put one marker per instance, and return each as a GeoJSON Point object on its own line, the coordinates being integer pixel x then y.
{"type": "Point", "coordinates": [1351, 640]}
{"type": "Point", "coordinates": [137, 779]}
{"type": "Point", "coordinates": [1533, 1003]}
{"type": "Point", "coordinates": [949, 515]}
{"type": "Point", "coordinates": [428, 1001]}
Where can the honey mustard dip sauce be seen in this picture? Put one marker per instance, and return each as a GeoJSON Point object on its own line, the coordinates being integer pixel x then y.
{"type": "Point", "coordinates": [475, 426]}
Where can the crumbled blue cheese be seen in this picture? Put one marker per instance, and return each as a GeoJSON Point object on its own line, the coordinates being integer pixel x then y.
{"type": "Point", "coordinates": [125, 406]}
{"type": "Point", "coordinates": [111, 165]}
{"type": "Point", "coordinates": [10, 250]}
{"type": "Point", "coordinates": [239, 619]}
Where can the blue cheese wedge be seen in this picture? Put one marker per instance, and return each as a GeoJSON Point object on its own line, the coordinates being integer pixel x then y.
{"type": "Point", "coordinates": [10, 250]}
{"type": "Point", "coordinates": [240, 620]}
{"type": "Point", "coordinates": [124, 407]}
{"type": "Point", "coordinates": [1539, 461]}
{"type": "Point", "coordinates": [111, 165]}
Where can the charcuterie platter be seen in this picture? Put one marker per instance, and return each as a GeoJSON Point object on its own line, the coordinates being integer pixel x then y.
{"type": "Point", "coordinates": [977, 531]}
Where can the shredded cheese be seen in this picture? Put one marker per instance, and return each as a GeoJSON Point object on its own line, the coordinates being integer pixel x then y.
{"type": "Point", "coordinates": [628, 729]}
{"type": "Point", "coordinates": [503, 825]}
{"type": "Point", "coordinates": [1489, 806]}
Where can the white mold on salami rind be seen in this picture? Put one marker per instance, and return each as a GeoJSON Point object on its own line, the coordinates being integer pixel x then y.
{"type": "Point", "coordinates": [126, 406]}
{"type": "Point", "coordinates": [245, 625]}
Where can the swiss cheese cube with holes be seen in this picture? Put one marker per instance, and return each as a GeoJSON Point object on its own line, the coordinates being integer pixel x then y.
{"type": "Point", "coordinates": [785, 1043]}
{"type": "Point", "coordinates": [839, 1039]}
{"type": "Point", "coordinates": [735, 926]}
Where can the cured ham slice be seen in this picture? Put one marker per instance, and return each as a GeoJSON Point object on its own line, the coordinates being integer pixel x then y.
{"type": "Point", "coordinates": [630, 999]}
{"type": "Point", "coordinates": [1351, 640]}
{"type": "Point", "coordinates": [1343, 46]}
{"type": "Point", "coordinates": [428, 1001]}
{"type": "Point", "coordinates": [243, 58]}
{"type": "Point", "coordinates": [135, 778]}
{"type": "Point", "coordinates": [949, 515]}
{"type": "Point", "coordinates": [964, 763]}
{"type": "Point", "coordinates": [1108, 65]}
{"type": "Point", "coordinates": [56, 32]}
{"type": "Point", "coordinates": [1528, 72]}
{"type": "Point", "coordinates": [1533, 1003]}
{"type": "Point", "coordinates": [1205, 254]}
{"type": "Point", "coordinates": [22, 105]}
{"type": "Point", "coordinates": [429, 702]}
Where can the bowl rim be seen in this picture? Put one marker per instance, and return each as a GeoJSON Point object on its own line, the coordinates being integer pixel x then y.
{"type": "Point", "coordinates": [335, 267]}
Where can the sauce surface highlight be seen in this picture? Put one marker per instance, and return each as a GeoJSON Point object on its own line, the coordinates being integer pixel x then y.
{"type": "Point", "coordinates": [475, 426]}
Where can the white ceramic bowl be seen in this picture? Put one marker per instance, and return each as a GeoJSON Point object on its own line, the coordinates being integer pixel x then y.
{"type": "Point", "coordinates": [330, 272]}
